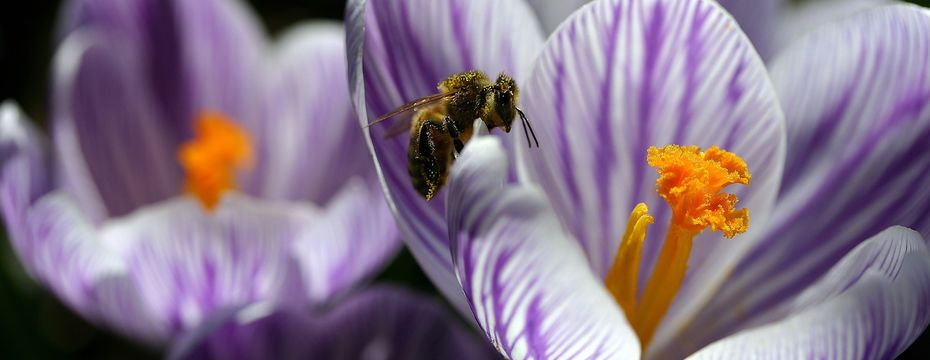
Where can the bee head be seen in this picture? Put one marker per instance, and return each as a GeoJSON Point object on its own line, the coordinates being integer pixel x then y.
{"type": "Point", "coordinates": [506, 95]}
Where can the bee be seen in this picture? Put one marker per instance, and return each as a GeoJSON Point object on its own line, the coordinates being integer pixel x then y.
{"type": "Point", "coordinates": [443, 123]}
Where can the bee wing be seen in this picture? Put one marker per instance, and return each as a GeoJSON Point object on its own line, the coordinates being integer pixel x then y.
{"type": "Point", "coordinates": [399, 127]}
{"type": "Point", "coordinates": [413, 105]}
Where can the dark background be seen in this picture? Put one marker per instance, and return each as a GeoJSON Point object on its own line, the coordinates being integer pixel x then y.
{"type": "Point", "coordinates": [33, 324]}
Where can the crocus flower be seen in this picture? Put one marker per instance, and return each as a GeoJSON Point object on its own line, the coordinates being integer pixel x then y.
{"type": "Point", "coordinates": [528, 241]}
{"type": "Point", "coordinates": [192, 167]}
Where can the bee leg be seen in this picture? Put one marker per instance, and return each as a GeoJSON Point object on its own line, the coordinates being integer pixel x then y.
{"type": "Point", "coordinates": [430, 161]}
{"type": "Point", "coordinates": [454, 133]}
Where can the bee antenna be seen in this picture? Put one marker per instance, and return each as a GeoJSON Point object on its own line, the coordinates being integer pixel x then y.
{"type": "Point", "coordinates": [526, 125]}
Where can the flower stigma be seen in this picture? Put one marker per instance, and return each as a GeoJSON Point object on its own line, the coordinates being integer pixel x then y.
{"type": "Point", "coordinates": [691, 181]}
{"type": "Point", "coordinates": [211, 158]}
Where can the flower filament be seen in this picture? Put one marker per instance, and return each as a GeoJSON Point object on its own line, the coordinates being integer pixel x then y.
{"type": "Point", "coordinates": [691, 181]}
{"type": "Point", "coordinates": [211, 158]}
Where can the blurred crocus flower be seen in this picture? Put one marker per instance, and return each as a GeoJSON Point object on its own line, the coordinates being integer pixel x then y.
{"type": "Point", "coordinates": [528, 241]}
{"type": "Point", "coordinates": [192, 167]}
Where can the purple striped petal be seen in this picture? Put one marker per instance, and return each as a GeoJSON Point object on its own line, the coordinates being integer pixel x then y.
{"type": "Point", "coordinates": [759, 20]}
{"type": "Point", "coordinates": [380, 323]}
{"type": "Point", "coordinates": [398, 50]}
{"type": "Point", "coordinates": [309, 143]}
{"type": "Point", "coordinates": [871, 305]}
{"type": "Point", "coordinates": [238, 255]}
{"type": "Point", "coordinates": [352, 238]}
{"type": "Point", "coordinates": [621, 76]}
{"type": "Point", "coordinates": [796, 20]}
{"type": "Point", "coordinates": [552, 13]}
{"type": "Point", "coordinates": [24, 174]}
{"type": "Point", "coordinates": [114, 150]}
{"type": "Point", "coordinates": [857, 97]}
{"type": "Point", "coordinates": [527, 281]}
{"type": "Point", "coordinates": [222, 45]}
{"type": "Point", "coordinates": [164, 268]}
{"type": "Point", "coordinates": [152, 27]}
{"type": "Point", "coordinates": [70, 259]}
{"type": "Point", "coordinates": [195, 55]}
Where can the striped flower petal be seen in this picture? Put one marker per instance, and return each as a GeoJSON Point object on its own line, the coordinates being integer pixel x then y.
{"type": "Point", "coordinates": [151, 26]}
{"type": "Point", "coordinates": [309, 128]}
{"type": "Point", "coordinates": [68, 257]}
{"type": "Point", "coordinates": [353, 237]}
{"type": "Point", "coordinates": [380, 323]}
{"type": "Point", "coordinates": [798, 19]}
{"type": "Point", "coordinates": [164, 268]}
{"type": "Point", "coordinates": [186, 263]}
{"type": "Point", "coordinates": [871, 305]}
{"type": "Point", "coordinates": [857, 96]}
{"type": "Point", "coordinates": [623, 75]}
{"type": "Point", "coordinates": [194, 55]}
{"type": "Point", "coordinates": [222, 45]}
{"type": "Point", "coordinates": [398, 50]}
{"type": "Point", "coordinates": [527, 281]}
{"type": "Point", "coordinates": [24, 174]}
{"type": "Point", "coordinates": [106, 125]}
{"type": "Point", "coordinates": [758, 19]}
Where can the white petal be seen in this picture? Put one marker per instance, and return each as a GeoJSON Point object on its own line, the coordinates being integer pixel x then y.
{"type": "Point", "coordinates": [871, 305]}
{"type": "Point", "coordinates": [309, 143]}
{"type": "Point", "coordinates": [114, 146]}
{"type": "Point", "coordinates": [527, 281]}
{"type": "Point", "coordinates": [351, 238]}
{"type": "Point", "coordinates": [797, 20]}
{"type": "Point", "coordinates": [857, 101]}
{"type": "Point", "coordinates": [25, 174]}
{"type": "Point", "coordinates": [186, 262]}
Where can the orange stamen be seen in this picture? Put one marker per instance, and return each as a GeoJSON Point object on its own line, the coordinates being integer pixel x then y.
{"type": "Point", "coordinates": [211, 158]}
{"type": "Point", "coordinates": [691, 181]}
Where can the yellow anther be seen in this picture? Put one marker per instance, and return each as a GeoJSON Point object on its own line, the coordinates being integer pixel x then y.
{"type": "Point", "coordinates": [211, 158]}
{"type": "Point", "coordinates": [691, 181]}
{"type": "Point", "coordinates": [621, 279]}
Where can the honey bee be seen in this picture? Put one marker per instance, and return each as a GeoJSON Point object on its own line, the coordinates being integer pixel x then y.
{"type": "Point", "coordinates": [443, 123]}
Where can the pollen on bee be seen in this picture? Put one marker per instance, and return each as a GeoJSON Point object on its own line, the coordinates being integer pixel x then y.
{"type": "Point", "coordinates": [210, 160]}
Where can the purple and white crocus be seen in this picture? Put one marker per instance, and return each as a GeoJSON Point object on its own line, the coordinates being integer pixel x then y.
{"type": "Point", "coordinates": [834, 134]}
{"type": "Point", "coordinates": [99, 213]}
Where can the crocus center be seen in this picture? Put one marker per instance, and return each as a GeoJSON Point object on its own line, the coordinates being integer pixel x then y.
{"type": "Point", "coordinates": [691, 180]}
{"type": "Point", "coordinates": [210, 160]}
